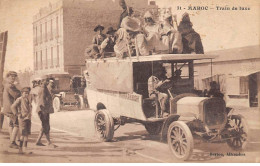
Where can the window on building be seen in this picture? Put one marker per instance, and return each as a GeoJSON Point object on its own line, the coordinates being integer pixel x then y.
{"type": "Point", "coordinates": [41, 60]}
{"type": "Point", "coordinates": [46, 59]}
{"type": "Point", "coordinates": [36, 61]}
{"type": "Point", "coordinates": [58, 54]}
{"type": "Point", "coordinates": [243, 85]}
{"type": "Point", "coordinates": [51, 31]}
{"type": "Point", "coordinates": [57, 26]}
{"type": "Point", "coordinates": [51, 57]}
{"type": "Point", "coordinates": [46, 36]}
{"type": "Point", "coordinates": [41, 33]}
{"type": "Point", "coordinates": [36, 36]}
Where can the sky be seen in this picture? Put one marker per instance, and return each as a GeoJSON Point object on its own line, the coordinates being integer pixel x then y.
{"type": "Point", "coordinates": [219, 29]}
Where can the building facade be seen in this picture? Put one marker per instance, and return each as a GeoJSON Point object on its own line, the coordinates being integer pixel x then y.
{"type": "Point", "coordinates": [237, 71]}
{"type": "Point", "coordinates": [63, 30]}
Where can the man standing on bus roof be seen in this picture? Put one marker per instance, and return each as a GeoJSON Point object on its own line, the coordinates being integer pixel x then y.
{"type": "Point", "coordinates": [127, 11]}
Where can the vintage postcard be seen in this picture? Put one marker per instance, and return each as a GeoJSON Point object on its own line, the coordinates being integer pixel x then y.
{"type": "Point", "coordinates": [129, 81]}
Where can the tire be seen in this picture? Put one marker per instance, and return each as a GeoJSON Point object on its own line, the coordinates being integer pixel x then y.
{"type": "Point", "coordinates": [180, 140]}
{"type": "Point", "coordinates": [104, 125]}
{"type": "Point", "coordinates": [153, 128]}
{"type": "Point", "coordinates": [56, 103]}
{"type": "Point", "coordinates": [239, 133]}
{"type": "Point", "coordinates": [81, 103]}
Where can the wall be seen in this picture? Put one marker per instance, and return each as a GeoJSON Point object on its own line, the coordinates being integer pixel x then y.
{"type": "Point", "coordinates": [258, 90]}
{"type": "Point", "coordinates": [78, 30]}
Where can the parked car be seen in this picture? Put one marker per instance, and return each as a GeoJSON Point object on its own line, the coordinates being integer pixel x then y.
{"type": "Point", "coordinates": [68, 91]}
{"type": "Point", "coordinates": [117, 90]}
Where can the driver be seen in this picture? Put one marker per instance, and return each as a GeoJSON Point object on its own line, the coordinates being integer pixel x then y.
{"type": "Point", "coordinates": [155, 87]}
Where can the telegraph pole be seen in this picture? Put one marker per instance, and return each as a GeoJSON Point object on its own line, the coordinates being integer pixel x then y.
{"type": "Point", "coordinates": [3, 44]}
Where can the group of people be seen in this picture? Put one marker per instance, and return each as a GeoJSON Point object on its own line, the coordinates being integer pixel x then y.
{"type": "Point", "coordinates": [17, 107]}
{"type": "Point", "coordinates": [148, 36]}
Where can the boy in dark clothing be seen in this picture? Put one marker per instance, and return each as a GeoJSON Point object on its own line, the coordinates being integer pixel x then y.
{"type": "Point", "coordinates": [23, 109]}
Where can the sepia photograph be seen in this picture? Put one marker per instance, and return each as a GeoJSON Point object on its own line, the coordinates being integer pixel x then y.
{"type": "Point", "coordinates": [129, 81]}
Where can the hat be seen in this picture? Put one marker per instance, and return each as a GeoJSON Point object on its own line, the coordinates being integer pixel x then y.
{"type": "Point", "coordinates": [148, 14]}
{"type": "Point", "coordinates": [131, 24]}
{"type": "Point", "coordinates": [26, 89]}
{"type": "Point", "coordinates": [98, 27]}
{"type": "Point", "coordinates": [11, 73]}
{"type": "Point", "coordinates": [110, 30]}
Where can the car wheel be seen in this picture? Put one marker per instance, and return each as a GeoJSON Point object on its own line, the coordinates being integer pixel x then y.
{"type": "Point", "coordinates": [104, 125]}
{"type": "Point", "coordinates": [180, 140]}
{"type": "Point", "coordinates": [239, 132]}
{"type": "Point", "coordinates": [56, 104]}
{"type": "Point", "coordinates": [153, 128]}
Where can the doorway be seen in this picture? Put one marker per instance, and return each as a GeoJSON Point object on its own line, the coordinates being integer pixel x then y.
{"type": "Point", "coordinates": [253, 96]}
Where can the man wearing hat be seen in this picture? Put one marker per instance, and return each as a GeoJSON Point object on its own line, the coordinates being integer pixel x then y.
{"type": "Point", "coordinates": [10, 94]}
{"type": "Point", "coordinates": [44, 109]}
{"type": "Point", "coordinates": [99, 37]}
{"type": "Point", "coordinates": [93, 50]}
{"type": "Point", "coordinates": [23, 109]}
{"type": "Point", "coordinates": [191, 40]}
{"type": "Point", "coordinates": [108, 44]}
{"type": "Point", "coordinates": [127, 11]}
{"type": "Point", "coordinates": [155, 87]}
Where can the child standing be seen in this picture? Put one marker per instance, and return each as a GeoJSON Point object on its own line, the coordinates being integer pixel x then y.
{"type": "Point", "coordinates": [23, 109]}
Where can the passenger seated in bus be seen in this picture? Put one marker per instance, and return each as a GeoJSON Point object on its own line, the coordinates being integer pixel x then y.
{"type": "Point", "coordinates": [108, 44]}
{"type": "Point", "coordinates": [155, 90]}
{"type": "Point", "coordinates": [190, 39]}
{"type": "Point", "coordinates": [129, 32]}
{"type": "Point", "coordinates": [171, 38]}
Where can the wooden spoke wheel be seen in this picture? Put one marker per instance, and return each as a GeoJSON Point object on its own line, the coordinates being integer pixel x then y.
{"type": "Point", "coordinates": [180, 140]}
{"type": "Point", "coordinates": [104, 125]}
{"type": "Point", "coordinates": [153, 128]}
{"type": "Point", "coordinates": [239, 134]}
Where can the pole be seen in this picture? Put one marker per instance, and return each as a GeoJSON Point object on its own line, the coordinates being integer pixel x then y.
{"type": "Point", "coordinates": [3, 43]}
{"type": "Point", "coordinates": [211, 68]}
